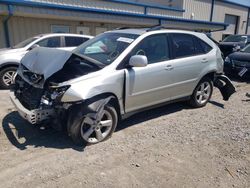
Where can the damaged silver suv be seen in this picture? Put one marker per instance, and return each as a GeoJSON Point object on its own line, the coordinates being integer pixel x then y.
{"type": "Point", "coordinates": [114, 75]}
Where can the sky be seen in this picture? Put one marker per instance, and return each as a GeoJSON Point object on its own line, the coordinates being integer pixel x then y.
{"type": "Point", "coordinates": [243, 2]}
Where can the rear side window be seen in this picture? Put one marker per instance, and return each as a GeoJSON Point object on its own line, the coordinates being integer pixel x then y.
{"type": "Point", "coordinates": [183, 45]}
{"type": "Point", "coordinates": [201, 46]}
{"type": "Point", "coordinates": [52, 42]}
{"type": "Point", "coordinates": [74, 41]}
{"type": "Point", "coordinates": [154, 47]}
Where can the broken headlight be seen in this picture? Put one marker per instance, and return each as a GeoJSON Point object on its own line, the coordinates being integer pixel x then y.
{"type": "Point", "coordinates": [227, 60]}
{"type": "Point", "coordinates": [57, 92]}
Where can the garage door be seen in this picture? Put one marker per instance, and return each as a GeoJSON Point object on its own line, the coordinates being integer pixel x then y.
{"type": "Point", "coordinates": [233, 24]}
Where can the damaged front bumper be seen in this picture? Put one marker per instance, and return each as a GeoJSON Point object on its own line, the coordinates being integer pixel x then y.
{"type": "Point", "coordinates": [34, 116]}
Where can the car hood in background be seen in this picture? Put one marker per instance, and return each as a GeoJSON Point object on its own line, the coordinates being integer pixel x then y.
{"type": "Point", "coordinates": [232, 44]}
{"type": "Point", "coordinates": [45, 61]}
{"type": "Point", "coordinates": [240, 56]}
{"type": "Point", "coordinates": [4, 51]}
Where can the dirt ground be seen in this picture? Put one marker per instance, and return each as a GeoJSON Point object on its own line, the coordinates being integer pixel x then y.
{"type": "Point", "coordinates": [171, 146]}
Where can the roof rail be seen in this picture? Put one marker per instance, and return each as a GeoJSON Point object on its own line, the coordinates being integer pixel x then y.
{"type": "Point", "coordinates": [156, 27]}
{"type": "Point", "coordinates": [121, 28]}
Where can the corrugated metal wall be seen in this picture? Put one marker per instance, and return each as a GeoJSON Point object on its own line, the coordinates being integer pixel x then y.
{"type": "Point", "coordinates": [21, 28]}
{"type": "Point", "coordinates": [159, 12]}
{"type": "Point", "coordinates": [201, 9]}
{"type": "Point", "coordinates": [80, 16]}
{"type": "Point", "coordinates": [104, 5]}
{"type": "Point", "coordinates": [171, 3]}
{"type": "Point", "coordinates": [221, 9]}
{"type": "Point", "coordinates": [2, 39]}
{"type": "Point", "coordinates": [120, 7]}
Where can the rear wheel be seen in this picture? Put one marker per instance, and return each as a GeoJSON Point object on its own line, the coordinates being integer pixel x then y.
{"type": "Point", "coordinates": [86, 131]}
{"type": "Point", "coordinates": [202, 93]}
{"type": "Point", "coordinates": [7, 77]}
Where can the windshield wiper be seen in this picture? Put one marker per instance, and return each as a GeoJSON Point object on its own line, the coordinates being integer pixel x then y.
{"type": "Point", "coordinates": [91, 60]}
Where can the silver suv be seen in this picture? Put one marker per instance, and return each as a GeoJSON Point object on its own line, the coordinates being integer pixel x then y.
{"type": "Point", "coordinates": [10, 57]}
{"type": "Point", "coordinates": [115, 75]}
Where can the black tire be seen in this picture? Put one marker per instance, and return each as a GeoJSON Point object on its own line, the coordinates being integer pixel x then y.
{"type": "Point", "coordinates": [205, 96]}
{"type": "Point", "coordinates": [3, 75]}
{"type": "Point", "coordinates": [76, 126]}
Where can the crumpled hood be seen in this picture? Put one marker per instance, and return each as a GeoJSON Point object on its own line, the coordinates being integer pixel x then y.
{"type": "Point", "coordinates": [45, 61]}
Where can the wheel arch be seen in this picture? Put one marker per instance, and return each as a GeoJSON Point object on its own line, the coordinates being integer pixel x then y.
{"type": "Point", "coordinates": [114, 101]}
{"type": "Point", "coordinates": [8, 64]}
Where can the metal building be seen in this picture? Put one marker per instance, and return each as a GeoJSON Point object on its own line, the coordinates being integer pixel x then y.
{"type": "Point", "coordinates": [20, 19]}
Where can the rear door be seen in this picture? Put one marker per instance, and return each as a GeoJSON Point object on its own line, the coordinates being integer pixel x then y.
{"type": "Point", "coordinates": [146, 86]}
{"type": "Point", "coordinates": [190, 58]}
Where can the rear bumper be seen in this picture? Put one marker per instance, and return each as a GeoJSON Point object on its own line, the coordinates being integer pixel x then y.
{"type": "Point", "coordinates": [33, 116]}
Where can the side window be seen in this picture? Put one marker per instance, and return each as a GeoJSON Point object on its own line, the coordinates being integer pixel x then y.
{"type": "Point", "coordinates": [74, 41]}
{"type": "Point", "coordinates": [183, 45]}
{"type": "Point", "coordinates": [53, 42]}
{"type": "Point", "coordinates": [204, 47]}
{"type": "Point", "coordinates": [154, 47]}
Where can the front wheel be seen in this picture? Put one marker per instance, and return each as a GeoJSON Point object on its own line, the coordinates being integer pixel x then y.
{"type": "Point", "coordinates": [202, 93]}
{"type": "Point", "coordinates": [86, 131]}
{"type": "Point", "coordinates": [7, 77]}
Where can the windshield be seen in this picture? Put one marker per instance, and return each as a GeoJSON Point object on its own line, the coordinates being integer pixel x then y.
{"type": "Point", "coordinates": [235, 38]}
{"type": "Point", "coordinates": [25, 42]}
{"type": "Point", "coordinates": [246, 49]}
{"type": "Point", "coordinates": [105, 48]}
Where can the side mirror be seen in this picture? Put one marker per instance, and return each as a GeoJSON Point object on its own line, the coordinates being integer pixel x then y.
{"type": "Point", "coordinates": [220, 40]}
{"type": "Point", "coordinates": [138, 61]}
{"type": "Point", "coordinates": [34, 46]}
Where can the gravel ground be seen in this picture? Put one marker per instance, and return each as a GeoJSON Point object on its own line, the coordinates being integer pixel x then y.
{"type": "Point", "coordinates": [171, 146]}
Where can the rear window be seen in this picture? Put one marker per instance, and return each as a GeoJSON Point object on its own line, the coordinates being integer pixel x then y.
{"type": "Point", "coordinates": [74, 41]}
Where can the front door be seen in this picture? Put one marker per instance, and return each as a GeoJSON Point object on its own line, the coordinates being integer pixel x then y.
{"type": "Point", "coordinates": [146, 86]}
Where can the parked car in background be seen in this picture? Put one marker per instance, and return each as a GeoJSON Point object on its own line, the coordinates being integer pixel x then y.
{"type": "Point", "coordinates": [238, 62]}
{"type": "Point", "coordinates": [233, 43]}
{"type": "Point", "coordinates": [115, 75]}
{"type": "Point", "coordinates": [10, 57]}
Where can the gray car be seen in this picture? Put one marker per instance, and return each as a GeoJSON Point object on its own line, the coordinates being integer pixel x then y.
{"type": "Point", "coordinates": [10, 57]}
{"type": "Point", "coordinates": [115, 75]}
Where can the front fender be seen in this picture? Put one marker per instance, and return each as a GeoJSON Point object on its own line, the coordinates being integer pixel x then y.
{"type": "Point", "coordinates": [86, 89]}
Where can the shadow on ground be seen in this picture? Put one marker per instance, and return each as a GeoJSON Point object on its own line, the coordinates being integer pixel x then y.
{"type": "Point", "coordinates": [236, 78]}
{"type": "Point", "coordinates": [18, 130]}
{"type": "Point", "coordinates": [22, 134]}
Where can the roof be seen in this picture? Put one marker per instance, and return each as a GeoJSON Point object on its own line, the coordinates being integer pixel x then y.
{"type": "Point", "coordinates": [63, 34]}
{"type": "Point", "coordinates": [244, 3]}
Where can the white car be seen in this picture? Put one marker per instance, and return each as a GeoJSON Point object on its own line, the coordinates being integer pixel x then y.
{"type": "Point", "coordinates": [10, 57]}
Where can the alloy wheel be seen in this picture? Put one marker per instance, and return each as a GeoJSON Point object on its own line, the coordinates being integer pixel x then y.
{"type": "Point", "coordinates": [203, 93]}
{"type": "Point", "coordinates": [94, 132]}
{"type": "Point", "coordinates": [8, 77]}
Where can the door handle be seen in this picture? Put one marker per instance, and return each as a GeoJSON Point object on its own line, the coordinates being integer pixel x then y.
{"type": "Point", "coordinates": [169, 68]}
{"type": "Point", "coordinates": [204, 60]}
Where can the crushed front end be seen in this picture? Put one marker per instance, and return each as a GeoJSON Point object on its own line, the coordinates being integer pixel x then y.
{"type": "Point", "coordinates": [36, 105]}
